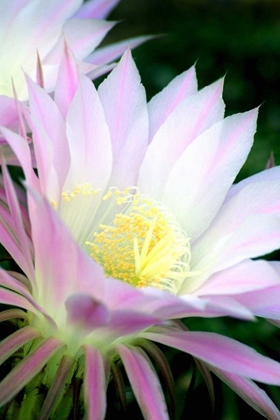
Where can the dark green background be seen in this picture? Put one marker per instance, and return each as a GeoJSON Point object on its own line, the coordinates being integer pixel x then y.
{"type": "Point", "coordinates": [242, 40]}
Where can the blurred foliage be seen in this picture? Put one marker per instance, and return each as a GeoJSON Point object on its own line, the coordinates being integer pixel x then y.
{"type": "Point", "coordinates": [239, 39]}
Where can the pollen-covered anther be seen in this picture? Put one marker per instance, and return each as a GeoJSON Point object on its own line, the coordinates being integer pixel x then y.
{"type": "Point", "coordinates": [142, 244]}
{"type": "Point", "coordinates": [53, 204]}
{"type": "Point", "coordinates": [80, 190]}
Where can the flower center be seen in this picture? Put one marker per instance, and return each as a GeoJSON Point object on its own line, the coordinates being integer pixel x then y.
{"type": "Point", "coordinates": [139, 241]}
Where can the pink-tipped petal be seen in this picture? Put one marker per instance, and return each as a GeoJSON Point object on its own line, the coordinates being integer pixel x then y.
{"type": "Point", "coordinates": [271, 174]}
{"type": "Point", "coordinates": [270, 312]}
{"type": "Point", "coordinates": [264, 303]}
{"type": "Point", "coordinates": [164, 103]}
{"type": "Point", "coordinates": [247, 224]}
{"type": "Point", "coordinates": [251, 394]}
{"type": "Point", "coordinates": [100, 71]}
{"type": "Point", "coordinates": [86, 122]}
{"type": "Point", "coordinates": [19, 47]}
{"type": "Point", "coordinates": [199, 181]}
{"type": "Point", "coordinates": [144, 382]}
{"type": "Point", "coordinates": [124, 102]}
{"type": "Point", "coordinates": [67, 81]}
{"type": "Point", "coordinates": [188, 119]}
{"type": "Point", "coordinates": [258, 235]}
{"type": "Point", "coordinates": [49, 138]}
{"type": "Point", "coordinates": [83, 36]}
{"type": "Point", "coordinates": [226, 306]}
{"type": "Point", "coordinates": [111, 52]}
{"type": "Point", "coordinates": [222, 353]}
{"type": "Point", "coordinates": [97, 9]}
{"type": "Point", "coordinates": [246, 276]}
{"type": "Point", "coordinates": [94, 384]}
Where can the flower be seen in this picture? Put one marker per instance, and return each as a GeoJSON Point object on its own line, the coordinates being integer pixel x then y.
{"type": "Point", "coordinates": [32, 35]}
{"type": "Point", "coordinates": [132, 223]}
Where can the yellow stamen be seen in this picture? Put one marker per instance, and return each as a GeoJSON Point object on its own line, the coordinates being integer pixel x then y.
{"type": "Point", "coordinates": [54, 204]}
{"type": "Point", "coordinates": [81, 189]}
{"type": "Point", "coordinates": [142, 245]}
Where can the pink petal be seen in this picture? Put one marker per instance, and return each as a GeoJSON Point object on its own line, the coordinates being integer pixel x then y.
{"type": "Point", "coordinates": [50, 142]}
{"type": "Point", "coordinates": [25, 371]}
{"type": "Point", "coordinates": [58, 386]}
{"type": "Point", "coordinates": [9, 282]}
{"type": "Point", "coordinates": [8, 112]}
{"type": "Point", "coordinates": [52, 256]}
{"type": "Point", "coordinates": [124, 102]}
{"type": "Point", "coordinates": [12, 314]}
{"type": "Point", "coordinates": [271, 174]}
{"type": "Point", "coordinates": [162, 305]}
{"type": "Point", "coordinates": [167, 306]}
{"type": "Point", "coordinates": [22, 151]}
{"type": "Point", "coordinates": [264, 303]}
{"type": "Point", "coordinates": [8, 297]}
{"type": "Point", "coordinates": [246, 226]}
{"type": "Point", "coordinates": [82, 36]}
{"type": "Point", "coordinates": [9, 237]}
{"type": "Point", "coordinates": [144, 382]}
{"type": "Point", "coordinates": [94, 384]}
{"type": "Point", "coordinates": [276, 266]}
{"type": "Point", "coordinates": [110, 52]}
{"type": "Point", "coordinates": [44, 20]}
{"type": "Point", "coordinates": [24, 245]}
{"type": "Point", "coordinates": [86, 313]}
{"type": "Point", "coordinates": [100, 71]}
{"type": "Point", "coordinates": [67, 81]}
{"type": "Point", "coordinates": [200, 179]}
{"type": "Point", "coordinates": [223, 353]}
{"type": "Point", "coordinates": [121, 296]}
{"type": "Point", "coordinates": [16, 340]}
{"type": "Point", "coordinates": [86, 122]}
{"type": "Point", "coordinates": [164, 103]}
{"type": "Point", "coordinates": [251, 393]}
{"type": "Point", "coordinates": [188, 119]}
{"type": "Point", "coordinates": [21, 298]}
{"type": "Point", "coordinates": [97, 9]}
{"type": "Point", "coordinates": [128, 322]}
{"type": "Point", "coordinates": [258, 235]}
{"type": "Point", "coordinates": [226, 306]}
{"type": "Point", "coordinates": [246, 276]}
